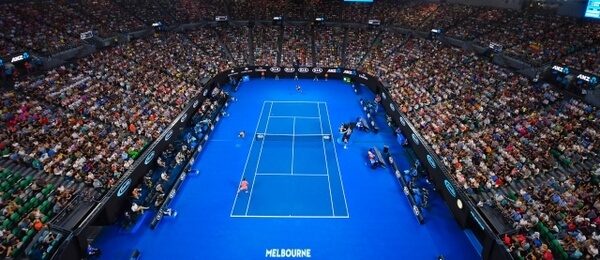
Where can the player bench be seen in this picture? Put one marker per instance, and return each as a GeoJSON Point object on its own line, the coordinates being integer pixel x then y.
{"type": "Point", "coordinates": [365, 125]}
{"type": "Point", "coordinates": [370, 120]}
{"type": "Point", "coordinates": [379, 158]}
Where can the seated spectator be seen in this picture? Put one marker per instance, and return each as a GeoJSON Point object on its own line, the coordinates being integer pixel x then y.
{"type": "Point", "coordinates": [135, 208]}
{"type": "Point", "coordinates": [136, 193]}
{"type": "Point", "coordinates": [159, 188]}
{"type": "Point", "coordinates": [38, 184]}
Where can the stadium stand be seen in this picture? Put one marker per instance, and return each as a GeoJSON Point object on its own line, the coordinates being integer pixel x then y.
{"type": "Point", "coordinates": [518, 147]}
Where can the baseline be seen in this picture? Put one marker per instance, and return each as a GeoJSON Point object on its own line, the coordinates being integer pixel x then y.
{"type": "Point", "coordinates": [289, 217]}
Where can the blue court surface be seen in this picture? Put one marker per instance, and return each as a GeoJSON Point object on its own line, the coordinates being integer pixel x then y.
{"type": "Point", "coordinates": [308, 196]}
{"type": "Point", "coordinates": [292, 165]}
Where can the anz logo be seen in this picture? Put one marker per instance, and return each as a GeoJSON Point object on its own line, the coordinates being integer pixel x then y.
{"type": "Point", "coordinates": [431, 161]}
{"type": "Point", "coordinates": [317, 70]}
{"type": "Point", "coordinates": [402, 121]}
{"type": "Point", "coordinates": [124, 187]}
{"type": "Point", "coordinates": [169, 134]}
{"type": "Point", "coordinates": [564, 70]}
{"type": "Point", "coordinates": [415, 139]}
{"type": "Point", "coordinates": [183, 118]}
{"type": "Point", "coordinates": [275, 69]}
{"type": "Point", "coordinates": [21, 57]}
{"type": "Point", "coordinates": [149, 158]}
{"type": "Point", "coordinates": [450, 188]}
{"type": "Point", "coordinates": [303, 70]}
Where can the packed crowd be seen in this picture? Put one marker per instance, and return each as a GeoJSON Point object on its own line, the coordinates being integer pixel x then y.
{"type": "Point", "coordinates": [356, 12]}
{"type": "Point", "coordinates": [266, 44]}
{"type": "Point", "coordinates": [43, 27]}
{"type": "Point", "coordinates": [383, 50]}
{"type": "Point", "coordinates": [110, 18]}
{"type": "Point", "coordinates": [493, 128]}
{"type": "Point", "coordinates": [446, 16]}
{"type": "Point", "coordinates": [358, 44]}
{"type": "Point", "coordinates": [329, 43]}
{"type": "Point", "coordinates": [237, 40]}
{"type": "Point", "coordinates": [296, 46]}
{"type": "Point", "coordinates": [89, 121]}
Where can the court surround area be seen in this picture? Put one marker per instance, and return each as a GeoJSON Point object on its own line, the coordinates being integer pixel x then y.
{"type": "Point", "coordinates": [309, 198]}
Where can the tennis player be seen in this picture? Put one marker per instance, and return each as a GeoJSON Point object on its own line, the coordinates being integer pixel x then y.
{"type": "Point", "coordinates": [243, 186]}
{"type": "Point", "coordinates": [298, 88]}
{"type": "Point", "coordinates": [242, 134]}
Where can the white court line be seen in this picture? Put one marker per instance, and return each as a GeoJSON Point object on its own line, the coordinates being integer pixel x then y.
{"type": "Point", "coordinates": [293, 144]}
{"type": "Point", "coordinates": [305, 217]}
{"type": "Point", "coordinates": [292, 134]}
{"type": "Point", "coordinates": [292, 102]}
{"type": "Point", "coordinates": [248, 157]}
{"type": "Point", "coordinates": [289, 174]}
{"type": "Point", "coordinates": [337, 161]}
{"type": "Point", "coordinates": [326, 163]}
{"type": "Point", "coordinates": [297, 117]}
{"type": "Point", "coordinates": [262, 145]}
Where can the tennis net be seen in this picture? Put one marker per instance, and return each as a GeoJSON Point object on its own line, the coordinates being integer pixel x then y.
{"type": "Point", "coordinates": [292, 137]}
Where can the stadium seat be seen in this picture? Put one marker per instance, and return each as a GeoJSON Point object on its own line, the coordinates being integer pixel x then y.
{"type": "Point", "coordinates": [5, 186]}
{"type": "Point", "coordinates": [6, 224]}
{"type": "Point", "coordinates": [15, 217]}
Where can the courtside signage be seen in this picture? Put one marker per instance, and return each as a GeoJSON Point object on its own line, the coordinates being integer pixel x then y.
{"type": "Point", "coordinates": [183, 118]}
{"type": "Point", "coordinates": [402, 121]}
{"type": "Point", "coordinates": [149, 158]}
{"type": "Point", "coordinates": [205, 92]}
{"type": "Point", "coordinates": [363, 76]}
{"type": "Point", "coordinates": [450, 188]}
{"type": "Point", "coordinates": [21, 57]}
{"type": "Point", "coordinates": [332, 71]}
{"type": "Point", "coordinates": [123, 189]}
{"type": "Point", "coordinates": [195, 105]}
{"type": "Point", "coordinates": [169, 134]}
{"type": "Point", "coordinates": [477, 220]}
{"type": "Point", "coordinates": [289, 70]}
{"type": "Point", "coordinates": [288, 253]}
{"type": "Point", "coordinates": [431, 161]}
{"type": "Point", "coordinates": [275, 69]}
{"type": "Point", "coordinates": [415, 139]}
{"type": "Point", "coordinates": [303, 70]}
{"type": "Point", "coordinates": [317, 70]}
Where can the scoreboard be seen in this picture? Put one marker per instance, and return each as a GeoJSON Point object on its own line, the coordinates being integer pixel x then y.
{"type": "Point", "coordinates": [593, 9]}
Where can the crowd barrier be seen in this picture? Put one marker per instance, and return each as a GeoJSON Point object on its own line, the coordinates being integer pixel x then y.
{"type": "Point", "coordinates": [463, 209]}
{"type": "Point", "coordinates": [186, 169]}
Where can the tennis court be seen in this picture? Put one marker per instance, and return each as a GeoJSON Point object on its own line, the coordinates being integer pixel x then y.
{"type": "Point", "coordinates": [292, 165]}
